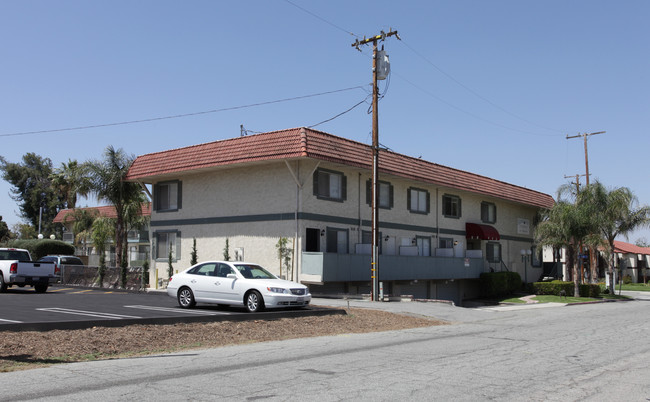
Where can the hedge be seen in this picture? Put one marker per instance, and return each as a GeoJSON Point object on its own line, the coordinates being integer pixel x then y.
{"type": "Point", "coordinates": [40, 248]}
{"type": "Point", "coordinates": [499, 283]}
{"type": "Point", "coordinates": [555, 287]}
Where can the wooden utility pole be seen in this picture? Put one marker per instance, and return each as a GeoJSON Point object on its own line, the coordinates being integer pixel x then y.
{"type": "Point", "coordinates": [585, 135]}
{"type": "Point", "coordinates": [374, 264]}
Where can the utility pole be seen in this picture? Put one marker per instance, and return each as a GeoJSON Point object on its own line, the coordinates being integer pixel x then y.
{"type": "Point", "coordinates": [374, 264]}
{"type": "Point", "coordinates": [585, 135]}
{"type": "Point", "coordinates": [577, 183]}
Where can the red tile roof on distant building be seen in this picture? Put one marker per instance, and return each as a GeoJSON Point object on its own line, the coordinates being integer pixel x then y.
{"type": "Point", "coordinates": [106, 211]}
{"type": "Point", "coordinates": [307, 143]}
{"type": "Point", "coordinates": [627, 248]}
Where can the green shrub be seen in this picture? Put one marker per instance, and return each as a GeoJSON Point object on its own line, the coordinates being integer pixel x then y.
{"type": "Point", "coordinates": [627, 279]}
{"type": "Point", "coordinates": [40, 248]}
{"type": "Point", "coordinates": [499, 283]}
{"type": "Point", "coordinates": [556, 287]}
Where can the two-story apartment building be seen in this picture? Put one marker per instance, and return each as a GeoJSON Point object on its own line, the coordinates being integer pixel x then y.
{"type": "Point", "coordinates": [439, 227]}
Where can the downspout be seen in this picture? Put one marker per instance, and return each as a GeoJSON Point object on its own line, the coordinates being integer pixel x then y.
{"type": "Point", "coordinates": [359, 237]}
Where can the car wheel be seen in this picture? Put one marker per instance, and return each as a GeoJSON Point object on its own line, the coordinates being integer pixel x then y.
{"type": "Point", "coordinates": [254, 301]}
{"type": "Point", "coordinates": [40, 288]}
{"type": "Point", "coordinates": [186, 298]}
{"type": "Point", "coordinates": [3, 285]}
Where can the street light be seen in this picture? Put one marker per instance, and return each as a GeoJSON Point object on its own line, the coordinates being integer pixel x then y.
{"type": "Point", "coordinates": [525, 256]}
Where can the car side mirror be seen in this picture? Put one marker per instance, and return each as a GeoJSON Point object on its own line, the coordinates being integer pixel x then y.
{"type": "Point", "coordinates": [231, 276]}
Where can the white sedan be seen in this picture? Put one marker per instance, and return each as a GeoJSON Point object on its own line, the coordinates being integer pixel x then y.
{"type": "Point", "coordinates": [236, 284]}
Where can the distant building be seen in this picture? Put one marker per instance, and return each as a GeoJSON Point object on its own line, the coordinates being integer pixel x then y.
{"type": "Point", "coordinates": [440, 227]}
{"type": "Point", "coordinates": [138, 240]}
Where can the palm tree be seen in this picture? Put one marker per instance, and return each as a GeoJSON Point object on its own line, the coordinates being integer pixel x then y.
{"type": "Point", "coordinates": [83, 220]}
{"type": "Point", "coordinates": [102, 230]}
{"type": "Point", "coordinates": [69, 181]}
{"type": "Point", "coordinates": [107, 183]}
{"type": "Point", "coordinates": [616, 213]}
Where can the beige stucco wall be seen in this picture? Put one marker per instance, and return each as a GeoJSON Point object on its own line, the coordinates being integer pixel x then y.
{"type": "Point", "coordinates": [270, 188]}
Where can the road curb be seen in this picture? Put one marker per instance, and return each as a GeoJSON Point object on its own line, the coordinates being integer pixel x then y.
{"type": "Point", "coordinates": [267, 315]}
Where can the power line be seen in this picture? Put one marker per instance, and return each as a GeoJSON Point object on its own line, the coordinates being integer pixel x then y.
{"type": "Point", "coordinates": [180, 115]}
{"type": "Point", "coordinates": [474, 92]}
{"type": "Point", "coordinates": [340, 114]}
{"type": "Point", "coordinates": [322, 19]}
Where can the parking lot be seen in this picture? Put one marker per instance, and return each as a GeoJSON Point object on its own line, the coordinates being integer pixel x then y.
{"type": "Point", "coordinates": [72, 308]}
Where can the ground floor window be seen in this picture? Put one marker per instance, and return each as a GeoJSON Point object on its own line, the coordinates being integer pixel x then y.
{"type": "Point", "coordinates": [424, 245]}
{"type": "Point", "coordinates": [337, 241]}
{"type": "Point", "coordinates": [493, 252]}
{"type": "Point", "coordinates": [166, 241]}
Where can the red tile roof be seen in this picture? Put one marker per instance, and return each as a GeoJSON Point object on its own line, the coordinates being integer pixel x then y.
{"type": "Point", "coordinates": [627, 248]}
{"type": "Point", "coordinates": [307, 143]}
{"type": "Point", "coordinates": [107, 211]}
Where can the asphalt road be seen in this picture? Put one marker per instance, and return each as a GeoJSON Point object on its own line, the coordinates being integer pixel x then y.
{"type": "Point", "coordinates": [71, 308]}
{"type": "Point", "coordinates": [589, 352]}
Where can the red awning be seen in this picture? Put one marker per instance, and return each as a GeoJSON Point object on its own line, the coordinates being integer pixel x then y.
{"type": "Point", "coordinates": [483, 232]}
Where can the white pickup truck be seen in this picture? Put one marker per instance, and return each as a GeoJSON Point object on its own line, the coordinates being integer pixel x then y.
{"type": "Point", "coordinates": [17, 268]}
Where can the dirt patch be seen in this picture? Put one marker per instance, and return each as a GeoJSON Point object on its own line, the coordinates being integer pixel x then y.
{"type": "Point", "coordinates": [30, 349]}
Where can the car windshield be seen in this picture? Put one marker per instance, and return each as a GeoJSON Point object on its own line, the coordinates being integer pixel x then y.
{"type": "Point", "coordinates": [254, 272]}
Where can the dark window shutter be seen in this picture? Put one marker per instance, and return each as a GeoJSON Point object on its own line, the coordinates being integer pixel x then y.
{"type": "Point", "coordinates": [344, 189]}
{"type": "Point", "coordinates": [390, 189]}
{"type": "Point", "coordinates": [316, 182]}
{"type": "Point", "coordinates": [408, 199]}
{"type": "Point", "coordinates": [369, 192]}
{"type": "Point", "coordinates": [180, 195]}
{"type": "Point", "coordinates": [156, 194]}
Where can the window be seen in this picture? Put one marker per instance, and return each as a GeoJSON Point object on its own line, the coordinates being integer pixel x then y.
{"type": "Point", "coordinates": [446, 243]}
{"type": "Point", "coordinates": [167, 196]}
{"type": "Point", "coordinates": [208, 269]}
{"type": "Point", "coordinates": [424, 245]}
{"type": "Point", "coordinates": [488, 212]}
{"type": "Point", "coordinates": [165, 240]}
{"type": "Point", "coordinates": [418, 200]}
{"type": "Point", "coordinates": [385, 190]}
{"type": "Point", "coordinates": [451, 206]}
{"type": "Point", "coordinates": [366, 238]}
{"type": "Point", "coordinates": [330, 185]}
{"type": "Point", "coordinates": [337, 240]}
{"type": "Point", "coordinates": [536, 256]}
{"type": "Point", "coordinates": [493, 252]}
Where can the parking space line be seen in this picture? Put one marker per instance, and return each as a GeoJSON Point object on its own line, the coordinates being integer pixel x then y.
{"type": "Point", "coordinates": [82, 291]}
{"type": "Point", "coordinates": [59, 289]}
{"type": "Point", "coordinates": [11, 321]}
{"type": "Point", "coordinates": [177, 310]}
{"type": "Point", "coordinates": [87, 313]}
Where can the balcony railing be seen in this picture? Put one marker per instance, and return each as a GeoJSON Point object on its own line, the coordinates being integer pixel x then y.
{"type": "Point", "coordinates": [332, 267]}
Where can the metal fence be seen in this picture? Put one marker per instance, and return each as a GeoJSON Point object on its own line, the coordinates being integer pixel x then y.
{"type": "Point", "coordinates": [88, 276]}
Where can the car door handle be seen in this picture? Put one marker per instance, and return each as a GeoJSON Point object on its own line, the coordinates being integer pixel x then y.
{"type": "Point", "coordinates": [217, 283]}
{"type": "Point", "coordinates": [193, 281]}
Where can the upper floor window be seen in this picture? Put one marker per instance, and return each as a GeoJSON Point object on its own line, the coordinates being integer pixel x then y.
{"type": "Point", "coordinates": [330, 185]}
{"type": "Point", "coordinates": [418, 200]}
{"type": "Point", "coordinates": [451, 206]}
{"type": "Point", "coordinates": [167, 196]}
{"type": "Point", "coordinates": [488, 212]}
{"type": "Point", "coordinates": [385, 190]}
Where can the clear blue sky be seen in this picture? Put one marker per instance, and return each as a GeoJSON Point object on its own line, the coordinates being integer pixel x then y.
{"type": "Point", "coordinates": [490, 87]}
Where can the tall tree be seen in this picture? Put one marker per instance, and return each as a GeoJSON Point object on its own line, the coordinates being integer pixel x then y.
{"type": "Point", "coordinates": [5, 233]}
{"type": "Point", "coordinates": [83, 219]}
{"type": "Point", "coordinates": [69, 181]}
{"type": "Point", "coordinates": [32, 190]}
{"type": "Point", "coordinates": [617, 214]}
{"type": "Point", "coordinates": [107, 183]}
{"type": "Point", "coordinates": [101, 231]}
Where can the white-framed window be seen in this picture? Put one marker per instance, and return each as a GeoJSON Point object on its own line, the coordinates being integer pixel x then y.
{"type": "Point", "coordinates": [330, 185]}
{"type": "Point", "coordinates": [424, 245]}
{"type": "Point", "coordinates": [166, 240]}
{"type": "Point", "coordinates": [385, 190]}
{"type": "Point", "coordinates": [446, 242]}
{"type": "Point", "coordinates": [167, 196]}
{"type": "Point", "coordinates": [451, 206]}
{"type": "Point", "coordinates": [488, 212]}
{"type": "Point", "coordinates": [418, 200]}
